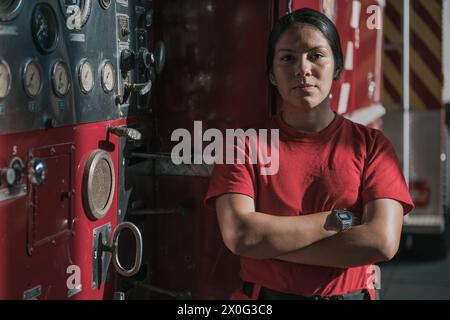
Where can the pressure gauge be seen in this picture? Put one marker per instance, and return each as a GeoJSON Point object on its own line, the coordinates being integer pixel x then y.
{"type": "Point", "coordinates": [86, 76]}
{"type": "Point", "coordinates": [9, 9]}
{"type": "Point", "coordinates": [32, 78]}
{"type": "Point", "coordinates": [5, 78]}
{"type": "Point", "coordinates": [60, 79]}
{"type": "Point", "coordinates": [44, 27]}
{"type": "Point", "coordinates": [108, 77]}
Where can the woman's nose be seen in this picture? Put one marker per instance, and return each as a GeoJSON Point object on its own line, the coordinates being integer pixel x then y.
{"type": "Point", "coordinates": [303, 67]}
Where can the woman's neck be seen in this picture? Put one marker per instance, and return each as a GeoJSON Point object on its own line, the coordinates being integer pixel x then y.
{"type": "Point", "coordinates": [311, 120]}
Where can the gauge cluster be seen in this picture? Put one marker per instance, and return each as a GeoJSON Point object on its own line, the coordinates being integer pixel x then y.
{"type": "Point", "coordinates": [60, 60]}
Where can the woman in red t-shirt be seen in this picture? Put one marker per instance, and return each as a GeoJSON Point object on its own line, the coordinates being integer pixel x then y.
{"type": "Point", "coordinates": [336, 206]}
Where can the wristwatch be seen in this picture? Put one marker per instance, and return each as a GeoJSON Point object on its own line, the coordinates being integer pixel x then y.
{"type": "Point", "coordinates": [345, 218]}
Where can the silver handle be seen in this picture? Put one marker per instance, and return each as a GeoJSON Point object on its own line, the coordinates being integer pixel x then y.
{"type": "Point", "coordinates": [115, 249]}
{"type": "Point", "coordinates": [141, 88]}
{"type": "Point", "coordinates": [129, 133]}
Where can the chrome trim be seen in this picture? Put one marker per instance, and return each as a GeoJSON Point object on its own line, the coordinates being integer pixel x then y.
{"type": "Point", "coordinates": [91, 163]}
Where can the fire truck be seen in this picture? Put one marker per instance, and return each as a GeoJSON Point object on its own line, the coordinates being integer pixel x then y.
{"type": "Point", "coordinates": [92, 205]}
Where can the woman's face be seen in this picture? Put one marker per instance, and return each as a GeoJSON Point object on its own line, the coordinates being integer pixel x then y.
{"type": "Point", "coordinates": [303, 67]}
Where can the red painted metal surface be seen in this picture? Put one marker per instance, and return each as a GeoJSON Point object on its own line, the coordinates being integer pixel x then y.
{"type": "Point", "coordinates": [56, 229]}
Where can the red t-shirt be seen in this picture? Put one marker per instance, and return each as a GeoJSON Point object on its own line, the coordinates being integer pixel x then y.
{"type": "Point", "coordinates": [344, 166]}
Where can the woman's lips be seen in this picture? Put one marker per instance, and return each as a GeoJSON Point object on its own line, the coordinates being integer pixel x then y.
{"type": "Point", "coordinates": [304, 87]}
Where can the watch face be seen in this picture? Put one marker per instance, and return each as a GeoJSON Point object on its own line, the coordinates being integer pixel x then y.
{"type": "Point", "coordinates": [345, 219]}
{"type": "Point", "coordinates": [345, 216]}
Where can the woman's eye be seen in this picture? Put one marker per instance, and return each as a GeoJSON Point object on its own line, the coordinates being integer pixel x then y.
{"type": "Point", "coordinates": [287, 58]}
{"type": "Point", "coordinates": [316, 56]}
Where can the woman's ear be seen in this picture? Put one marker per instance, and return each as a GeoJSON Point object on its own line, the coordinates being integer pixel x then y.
{"type": "Point", "coordinates": [272, 79]}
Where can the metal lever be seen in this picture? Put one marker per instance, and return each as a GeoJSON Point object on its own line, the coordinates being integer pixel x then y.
{"type": "Point", "coordinates": [141, 88]}
{"type": "Point", "coordinates": [129, 133]}
{"type": "Point", "coordinates": [114, 249]}
{"type": "Point", "coordinates": [129, 60]}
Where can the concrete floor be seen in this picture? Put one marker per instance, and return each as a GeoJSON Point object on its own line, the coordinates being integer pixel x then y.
{"type": "Point", "coordinates": [408, 278]}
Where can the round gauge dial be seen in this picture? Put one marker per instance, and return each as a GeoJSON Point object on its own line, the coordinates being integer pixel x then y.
{"type": "Point", "coordinates": [9, 9]}
{"type": "Point", "coordinates": [108, 77]}
{"type": "Point", "coordinates": [44, 28]}
{"type": "Point", "coordinates": [86, 76]}
{"type": "Point", "coordinates": [32, 79]}
{"type": "Point", "coordinates": [5, 79]}
{"type": "Point", "coordinates": [60, 79]}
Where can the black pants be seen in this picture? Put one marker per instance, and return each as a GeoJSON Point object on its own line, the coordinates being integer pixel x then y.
{"type": "Point", "coordinates": [269, 294]}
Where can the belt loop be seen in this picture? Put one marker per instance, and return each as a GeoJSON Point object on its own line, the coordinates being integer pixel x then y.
{"type": "Point", "coordinates": [256, 291]}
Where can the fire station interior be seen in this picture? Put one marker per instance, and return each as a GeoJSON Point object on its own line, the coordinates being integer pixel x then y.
{"type": "Point", "coordinates": [92, 205]}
